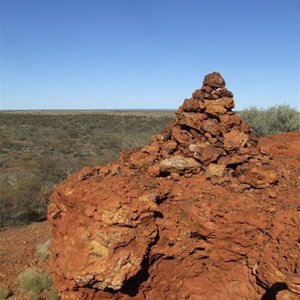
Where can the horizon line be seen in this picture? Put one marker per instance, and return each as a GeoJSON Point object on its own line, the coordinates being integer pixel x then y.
{"type": "Point", "coordinates": [89, 109]}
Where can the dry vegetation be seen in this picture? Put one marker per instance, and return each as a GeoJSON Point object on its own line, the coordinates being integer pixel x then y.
{"type": "Point", "coordinates": [39, 149]}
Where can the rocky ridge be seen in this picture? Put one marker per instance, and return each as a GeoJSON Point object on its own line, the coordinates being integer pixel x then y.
{"type": "Point", "coordinates": [200, 213]}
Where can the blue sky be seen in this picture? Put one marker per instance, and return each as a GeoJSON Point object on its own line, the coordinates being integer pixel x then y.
{"type": "Point", "coordinates": [102, 54]}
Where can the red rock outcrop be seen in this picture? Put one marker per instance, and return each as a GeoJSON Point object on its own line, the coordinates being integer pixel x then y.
{"type": "Point", "coordinates": [199, 213]}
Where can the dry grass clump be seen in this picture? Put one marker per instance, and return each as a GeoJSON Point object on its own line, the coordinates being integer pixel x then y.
{"type": "Point", "coordinates": [34, 281]}
{"type": "Point", "coordinates": [37, 283]}
{"type": "Point", "coordinates": [4, 293]}
{"type": "Point", "coordinates": [42, 251]}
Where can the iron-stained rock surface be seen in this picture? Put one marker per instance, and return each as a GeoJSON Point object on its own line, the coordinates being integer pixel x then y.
{"type": "Point", "coordinates": [200, 213]}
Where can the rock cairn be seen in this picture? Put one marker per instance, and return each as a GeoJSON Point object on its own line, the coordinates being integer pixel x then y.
{"type": "Point", "coordinates": [208, 136]}
{"type": "Point", "coordinates": [163, 222]}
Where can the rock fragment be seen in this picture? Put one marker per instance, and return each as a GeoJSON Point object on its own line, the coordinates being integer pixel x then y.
{"type": "Point", "coordinates": [178, 164]}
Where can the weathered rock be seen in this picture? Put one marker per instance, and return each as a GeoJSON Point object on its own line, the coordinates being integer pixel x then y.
{"type": "Point", "coordinates": [245, 128]}
{"type": "Point", "coordinates": [207, 153]}
{"type": "Point", "coordinates": [191, 105]}
{"type": "Point", "coordinates": [140, 159]}
{"type": "Point", "coordinates": [215, 170]}
{"type": "Point", "coordinates": [258, 176]}
{"type": "Point", "coordinates": [233, 159]}
{"type": "Point", "coordinates": [222, 92]}
{"type": "Point", "coordinates": [152, 149]}
{"type": "Point", "coordinates": [285, 268]}
{"type": "Point", "coordinates": [198, 95]}
{"type": "Point", "coordinates": [235, 139]}
{"type": "Point", "coordinates": [212, 126]}
{"type": "Point", "coordinates": [214, 80]}
{"type": "Point", "coordinates": [113, 244]}
{"type": "Point", "coordinates": [225, 102]}
{"type": "Point", "coordinates": [188, 216]}
{"type": "Point", "coordinates": [181, 136]}
{"type": "Point", "coordinates": [192, 120]}
{"type": "Point", "coordinates": [169, 146]}
{"type": "Point", "coordinates": [215, 110]}
{"type": "Point", "coordinates": [285, 294]}
{"type": "Point", "coordinates": [179, 164]}
{"type": "Point", "coordinates": [206, 89]}
{"type": "Point", "coordinates": [229, 120]}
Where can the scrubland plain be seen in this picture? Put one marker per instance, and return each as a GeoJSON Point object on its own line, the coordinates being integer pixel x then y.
{"type": "Point", "coordinates": [38, 149]}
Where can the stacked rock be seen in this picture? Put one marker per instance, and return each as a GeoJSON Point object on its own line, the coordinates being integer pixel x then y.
{"type": "Point", "coordinates": [208, 136]}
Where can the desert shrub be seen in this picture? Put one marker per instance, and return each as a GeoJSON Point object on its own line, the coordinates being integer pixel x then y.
{"type": "Point", "coordinates": [283, 118]}
{"type": "Point", "coordinates": [23, 199]}
{"type": "Point", "coordinates": [4, 293]}
{"type": "Point", "coordinates": [34, 281]}
{"type": "Point", "coordinates": [256, 119]}
{"type": "Point", "coordinates": [276, 119]}
{"type": "Point", "coordinates": [42, 250]}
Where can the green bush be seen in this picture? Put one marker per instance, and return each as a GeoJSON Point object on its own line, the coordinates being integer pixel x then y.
{"type": "Point", "coordinates": [34, 281]}
{"type": "Point", "coordinates": [276, 119]}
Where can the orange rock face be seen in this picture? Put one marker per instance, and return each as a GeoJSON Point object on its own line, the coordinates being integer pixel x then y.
{"type": "Point", "coordinates": [200, 213]}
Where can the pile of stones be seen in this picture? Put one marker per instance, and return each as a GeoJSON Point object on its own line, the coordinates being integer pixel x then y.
{"type": "Point", "coordinates": [207, 136]}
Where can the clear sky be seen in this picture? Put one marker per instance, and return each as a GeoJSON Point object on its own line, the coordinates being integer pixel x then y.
{"type": "Point", "coordinates": [102, 54]}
